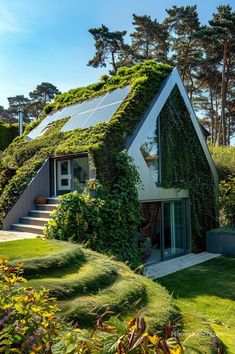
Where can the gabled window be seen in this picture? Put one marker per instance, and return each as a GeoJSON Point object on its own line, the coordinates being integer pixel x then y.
{"type": "Point", "coordinates": [151, 153]}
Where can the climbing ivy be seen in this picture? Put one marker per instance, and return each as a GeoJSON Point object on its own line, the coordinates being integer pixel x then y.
{"type": "Point", "coordinates": [185, 166]}
{"type": "Point", "coordinates": [104, 142]}
{"type": "Point", "coordinates": [103, 220]}
{"type": "Point", "coordinates": [110, 208]}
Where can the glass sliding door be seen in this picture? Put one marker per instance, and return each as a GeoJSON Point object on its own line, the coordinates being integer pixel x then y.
{"type": "Point", "coordinates": [173, 229]}
{"type": "Point", "coordinates": [80, 173]}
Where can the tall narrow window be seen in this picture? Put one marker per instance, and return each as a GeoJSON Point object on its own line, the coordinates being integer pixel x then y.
{"type": "Point", "coordinates": [150, 151]}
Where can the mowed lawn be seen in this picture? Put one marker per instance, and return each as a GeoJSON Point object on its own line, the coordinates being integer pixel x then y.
{"type": "Point", "coordinates": [31, 248]}
{"type": "Point", "coordinates": [205, 294]}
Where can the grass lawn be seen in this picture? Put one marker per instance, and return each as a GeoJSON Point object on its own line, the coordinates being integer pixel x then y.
{"type": "Point", "coordinates": [23, 249]}
{"type": "Point", "coordinates": [205, 294]}
{"type": "Point", "coordinates": [85, 283]}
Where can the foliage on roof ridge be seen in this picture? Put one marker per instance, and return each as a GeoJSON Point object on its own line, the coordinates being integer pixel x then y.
{"type": "Point", "coordinates": [124, 76]}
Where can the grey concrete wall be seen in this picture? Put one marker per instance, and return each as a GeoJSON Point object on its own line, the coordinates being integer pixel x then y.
{"type": "Point", "coordinates": [40, 185]}
{"type": "Point", "coordinates": [223, 243]}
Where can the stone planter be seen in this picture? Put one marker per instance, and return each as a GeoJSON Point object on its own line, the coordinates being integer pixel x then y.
{"type": "Point", "coordinates": [221, 240]}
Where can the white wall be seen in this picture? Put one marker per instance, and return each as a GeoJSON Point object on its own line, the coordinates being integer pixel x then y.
{"type": "Point", "coordinates": [150, 191]}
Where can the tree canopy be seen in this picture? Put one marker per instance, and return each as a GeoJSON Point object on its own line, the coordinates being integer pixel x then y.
{"type": "Point", "coordinates": [204, 54]}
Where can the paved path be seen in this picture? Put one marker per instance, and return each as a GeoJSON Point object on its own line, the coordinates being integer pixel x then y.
{"type": "Point", "coordinates": [14, 236]}
{"type": "Point", "coordinates": [161, 269]}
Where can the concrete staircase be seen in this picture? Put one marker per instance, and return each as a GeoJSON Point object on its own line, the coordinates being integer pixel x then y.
{"type": "Point", "coordinates": [37, 218]}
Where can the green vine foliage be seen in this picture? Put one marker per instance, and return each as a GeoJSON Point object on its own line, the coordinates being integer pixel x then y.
{"type": "Point", "coordinates": [7, 134]}
{"type": "Point", "coordinates": [224, 158]}
{"type": "Point", "coordinates": [116, 200]}
{"type": "Point", "coordinates": [103, 220]}
{"type": "Point", "coordinates": [185, 166]}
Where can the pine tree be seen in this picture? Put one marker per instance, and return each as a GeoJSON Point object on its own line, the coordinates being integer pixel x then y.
{"type": "Point", "coordinates": [150, 40]}
{"type": "Point", "coordinates": [110, 48]}
{"type": "Point", "coordinates": [182, 23]}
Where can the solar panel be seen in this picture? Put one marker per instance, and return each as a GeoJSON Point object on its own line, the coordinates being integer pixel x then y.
{"type": "Point", "coordinates": [76, 121]}
{"type": "Point", "coordinates": [85, 114]}
{"type": "Point", "coordinates": [116, 95]}
{"type": "Point", "coordinates": [102, 114]}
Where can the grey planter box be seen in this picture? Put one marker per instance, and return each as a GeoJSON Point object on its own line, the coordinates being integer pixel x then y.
{"type": "Point", "coordinates": [221, 241]}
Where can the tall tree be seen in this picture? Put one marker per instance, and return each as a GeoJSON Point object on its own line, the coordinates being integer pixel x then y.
{"type": "Point", "coordinates": [5, 116]}
{"type": "Point", "coordinates": [182, 22]}
{"type": "Point", "coordinates": [149, 40]}
{"type": "Point", "coordinates": [16, 103]}
{"type": "Point", "coordinates": [43, 93]}
{"type": "Point", "coordinates": [110, 49]}
{"type": "Point", "coordinates": [223, 24]}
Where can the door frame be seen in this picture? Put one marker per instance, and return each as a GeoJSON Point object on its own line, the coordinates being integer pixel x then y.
{"type": "Point", "coordinates": [186, 222]}
{"type": "Point", "coordinates": [53, 170]}
{"type": "Point", "coordinates": [59, 176]}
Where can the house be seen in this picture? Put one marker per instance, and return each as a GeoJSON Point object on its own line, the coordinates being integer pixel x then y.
{"type": "Point", "coordinates": [145, 110]}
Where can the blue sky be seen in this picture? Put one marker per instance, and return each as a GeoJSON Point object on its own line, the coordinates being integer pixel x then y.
{"type": "Point", "coordinates": [48, 40]}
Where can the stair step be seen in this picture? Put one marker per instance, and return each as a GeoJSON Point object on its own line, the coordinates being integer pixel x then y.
{"type": "Point", "coordinates": [49, 207]}
{"type": "Point", "coordinates": [29, 220]}
{"type": "Point", "coordinates": [40, 213]}
{"type": "Point", "coordinates": [34, 229]}
{"type": "Point", "coordinates": [53, 200]}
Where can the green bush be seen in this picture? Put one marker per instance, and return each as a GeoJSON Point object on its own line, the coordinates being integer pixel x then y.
{"type": "Point", "coordinates": [27, 317]}
{"type": "Point", "coordinates": [103, 220]}
{"type": "Point", "coordinates": [7, 134]}
{"type": "Point", "coordinates": [227, 201]}
{"type": "Point", "coordinates": [224, 159]}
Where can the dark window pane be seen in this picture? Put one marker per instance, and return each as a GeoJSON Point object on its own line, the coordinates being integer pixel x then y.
{"type": "Point", "coordinates": [64, 168]}
{"type": "Point", "coordinates": [64, 182]}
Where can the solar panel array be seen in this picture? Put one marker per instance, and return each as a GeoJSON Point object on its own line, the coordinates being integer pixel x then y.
{"type": "Point", "coordinates": [85, 114]}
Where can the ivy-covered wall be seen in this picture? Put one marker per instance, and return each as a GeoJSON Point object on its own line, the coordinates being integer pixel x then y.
{"type": "Point", "coordinates": [104, 143]}
{"type": "Point", "coordinates": [184, 165]}
{"type": "Point", "coordinates": [109, 211]}
{"type": "Point", "coordinates": [7, 134]}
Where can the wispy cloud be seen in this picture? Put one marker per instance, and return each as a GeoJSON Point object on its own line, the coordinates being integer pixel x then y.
{"type": "Point", "coordinates": [9, 20]}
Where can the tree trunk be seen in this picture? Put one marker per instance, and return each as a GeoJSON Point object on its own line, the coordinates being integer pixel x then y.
{"type": "Point", "coordinates": [223, 96]}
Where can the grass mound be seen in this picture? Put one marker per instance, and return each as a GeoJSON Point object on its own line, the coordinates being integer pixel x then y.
{"type": "Point", "coordinates": [87, 283]}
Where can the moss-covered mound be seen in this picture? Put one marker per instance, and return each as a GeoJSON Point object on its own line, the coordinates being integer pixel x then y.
{"type": "Point", "coordinates": [87, 283]}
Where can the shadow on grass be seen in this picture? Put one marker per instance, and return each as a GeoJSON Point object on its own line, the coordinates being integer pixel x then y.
{"type": "Point", "coordinates": [215, 277]}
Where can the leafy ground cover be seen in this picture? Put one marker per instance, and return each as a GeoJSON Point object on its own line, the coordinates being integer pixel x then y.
{"type": "Point", "coordinates": [205, 295]}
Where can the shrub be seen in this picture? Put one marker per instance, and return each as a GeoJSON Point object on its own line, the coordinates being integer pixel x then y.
{"type": "Point", "coordinates": [105, 221]}
{"type": "Point", "coordinates": [227, 201]}
{"type": "Point", "coordinates": [7, 134]}
{"type": "Point", "coordinates": [27, 317]}
{"type": "Point", "coordinates": [224, 158]}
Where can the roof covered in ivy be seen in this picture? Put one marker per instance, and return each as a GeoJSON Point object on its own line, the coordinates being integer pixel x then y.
{"type": "Point", "coordinates": [72, 125]}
